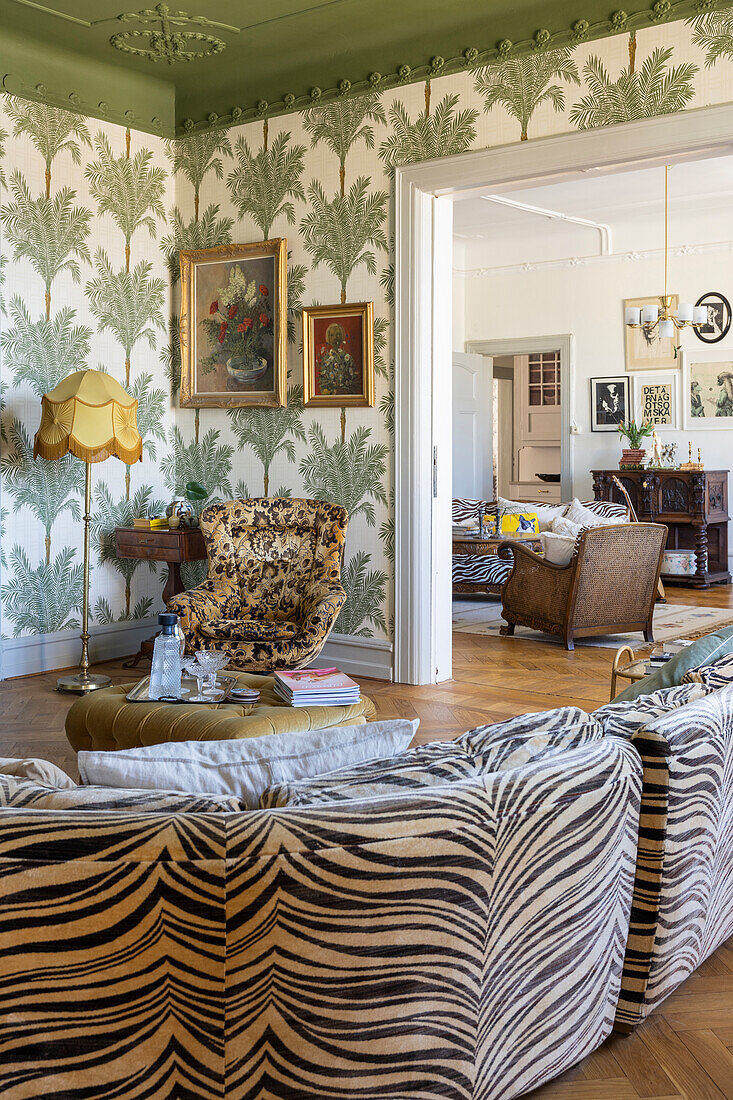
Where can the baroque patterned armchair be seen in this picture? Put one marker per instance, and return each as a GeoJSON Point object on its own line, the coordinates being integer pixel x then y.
{"type": "Point", "coordinates": [273, 591]}
{"type": "Point", "coordinates": [608, 587]}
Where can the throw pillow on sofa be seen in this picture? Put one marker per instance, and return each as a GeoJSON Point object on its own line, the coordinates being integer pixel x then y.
{"type": "Point", "coordinates": [17, 792]}
{"type": "Point", "coordinates": [245, 768]}
{"type": "Point", "coordinates": [702, 652]}
{"type": "Point", "coordinates": [37, 771]}
{"type": "Point", "coordinates": [545, 513]}
{"type": "Point", "coordinates": [519, 523]}
{"type": "Point", "coordinates": [432, 765]}
{"type": "Point", "coordinates": [716, 674]}
{"type": "Point", "coordinates": [498, 747]}
{"type": "Point", "coordinates": [623, 717]}
{"type": "Point", "coordinates": [585, 517]}
{"type": "Point", "coordinates": [558, 549]}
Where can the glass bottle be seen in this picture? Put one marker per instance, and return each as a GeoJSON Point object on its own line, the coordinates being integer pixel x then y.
{"type": "Point", "coordinates": [165, 671]}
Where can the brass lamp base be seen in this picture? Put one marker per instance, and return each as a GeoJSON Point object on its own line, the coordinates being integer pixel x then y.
{"type": "Point", "coordinates": [82, 683]}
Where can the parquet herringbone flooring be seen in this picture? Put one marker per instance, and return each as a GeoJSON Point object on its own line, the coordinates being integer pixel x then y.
{"type": "Point", "coordinates": [682, 1052]}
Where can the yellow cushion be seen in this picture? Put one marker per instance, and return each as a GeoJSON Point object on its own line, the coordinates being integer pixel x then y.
{"type": "Point", "coordinates": [519, 523]}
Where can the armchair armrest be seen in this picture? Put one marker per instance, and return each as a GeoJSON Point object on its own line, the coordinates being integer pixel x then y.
{"type": "Point", "coordinates": [320, 608]}
{"type": "Point", "coordinates": [536, 591]}
{"type": "Point", "coordinates": [212, 599]}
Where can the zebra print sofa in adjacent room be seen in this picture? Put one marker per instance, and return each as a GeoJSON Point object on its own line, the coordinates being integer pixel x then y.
{"type": "Point", "coordinates": [487, 572]}
{"type": "Point", "coordinates": [462, 942]}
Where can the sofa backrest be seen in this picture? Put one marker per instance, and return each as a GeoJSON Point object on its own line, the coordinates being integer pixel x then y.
{"type": "Point", "coordinates": [364, 944]}
{"type": "Point", "coordinates": [468, 507]}
{"type": "Point", "coordinates": [275, 548]}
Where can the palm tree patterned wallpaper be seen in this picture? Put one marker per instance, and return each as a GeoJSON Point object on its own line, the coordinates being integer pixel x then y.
{"type": "Point", "coordinates": [91, 221]}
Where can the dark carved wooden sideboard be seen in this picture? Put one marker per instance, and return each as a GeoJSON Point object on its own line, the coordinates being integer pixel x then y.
{"type": "Point", "coordinates": [692, 503]}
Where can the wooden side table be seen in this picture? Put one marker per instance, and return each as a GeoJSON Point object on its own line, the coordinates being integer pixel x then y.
{"type": "Point", "coordinates": [636, 667]}
{"type": "Point", "coordinates": [173, 547]}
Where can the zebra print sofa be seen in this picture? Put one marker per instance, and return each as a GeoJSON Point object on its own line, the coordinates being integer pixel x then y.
{"type": "Point", "coordinates": [462, 942]}
{"type": "Point", "coordinates": [487, 572]}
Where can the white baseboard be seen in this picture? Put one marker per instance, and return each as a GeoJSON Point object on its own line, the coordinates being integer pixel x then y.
{"type": "Point", "coordinates": [358, 656]}
{"type": "Point", "coordinates": [48, 652]}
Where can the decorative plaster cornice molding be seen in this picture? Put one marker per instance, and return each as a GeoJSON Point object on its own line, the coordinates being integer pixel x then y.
{"type": "Point", "coordinates": [471, 58]}
{"type": "Point", "coordinates": [587, 261]}
{"type": "Point", "coordinates": [581, 30]}
{"type": "Point", "coordinates": [40, 93]}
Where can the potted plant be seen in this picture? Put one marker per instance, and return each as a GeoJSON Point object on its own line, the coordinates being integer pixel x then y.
{"type": "Point", "coordinates": [632, 457]}
{"type": "Point", "coordinates": [239, 326]}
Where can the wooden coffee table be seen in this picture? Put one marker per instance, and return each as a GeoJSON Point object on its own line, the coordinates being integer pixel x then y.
{"type": "Point", "coordinates": [477, 546]}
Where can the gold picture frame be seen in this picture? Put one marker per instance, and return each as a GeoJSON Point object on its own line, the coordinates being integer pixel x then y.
{"type": "Point", "coordinates": [649, 352]}
{"type": "Point", "coordinates": [338, 355]}
{"type": "Point", "coordinates": [233, 325]}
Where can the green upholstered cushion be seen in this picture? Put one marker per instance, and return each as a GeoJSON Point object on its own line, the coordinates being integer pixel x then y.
{"type": "Point", "coordinates": [703, 651]}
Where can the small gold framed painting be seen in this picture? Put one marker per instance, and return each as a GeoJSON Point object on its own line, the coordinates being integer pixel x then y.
{"type": "Point", "coordinates": [234, 325]}
{"type": "Point", "coordinates": [338, 355]}
{"type": "Point", "coordinates": [648, 350]}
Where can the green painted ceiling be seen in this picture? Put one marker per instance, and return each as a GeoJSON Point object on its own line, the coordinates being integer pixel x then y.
{"type": "Point", "coordinates": [270, 57]}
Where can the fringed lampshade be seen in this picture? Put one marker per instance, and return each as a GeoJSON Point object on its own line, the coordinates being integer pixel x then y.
{"type": "Point", "coordinates": [88, 415]}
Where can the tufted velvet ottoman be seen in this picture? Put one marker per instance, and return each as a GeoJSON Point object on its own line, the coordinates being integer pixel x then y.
{"type": "Point", "coordinates": [105, 720]}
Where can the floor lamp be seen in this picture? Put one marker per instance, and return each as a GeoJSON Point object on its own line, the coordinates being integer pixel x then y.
{"type": "Point", "coordinates": [88, 415]}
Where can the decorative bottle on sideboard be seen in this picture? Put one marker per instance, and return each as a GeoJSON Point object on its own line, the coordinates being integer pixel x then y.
{"type": "Point", "coordinates": [165, 671]}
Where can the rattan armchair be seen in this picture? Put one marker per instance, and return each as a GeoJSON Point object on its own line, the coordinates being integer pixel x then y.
{"type": "Point", "coordinates": [608, 587]}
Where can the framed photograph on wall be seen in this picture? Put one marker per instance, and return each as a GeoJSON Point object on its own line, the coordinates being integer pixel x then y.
{"type": "Point", "coordinates": [609, 403]}
{"type": "Point", "coordinates": [338, 355]}
{"type": "Point", "coordinates": [649, 351]}
{"type": "Point", "coordinates": [234, 325]}
{"type": "Point", "coordinates": [656, 398]}
{"type": "Point", "coordinates": [718, 322]}
{"type": "Point", "coordinates": [707, 387]}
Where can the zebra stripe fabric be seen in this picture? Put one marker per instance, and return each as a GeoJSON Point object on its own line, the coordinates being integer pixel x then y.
{"type": "Point", "coordinates": [465, 942]}
{"type": "Point", "coordinates": [683, 904]}
{"type": "Point", "coordinates": [491, 748]}
{"type": "Point", "coordinates": [480, 569]}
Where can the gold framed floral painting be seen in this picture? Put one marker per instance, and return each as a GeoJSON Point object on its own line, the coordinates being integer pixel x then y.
{"type": "Point", "coordinates": [338, 355]}
{"type": "Point", "coordinates": [234, 325]}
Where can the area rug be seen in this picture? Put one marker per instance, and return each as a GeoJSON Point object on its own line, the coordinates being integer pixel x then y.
{"type": "Point", "coordinates": [672, 622]}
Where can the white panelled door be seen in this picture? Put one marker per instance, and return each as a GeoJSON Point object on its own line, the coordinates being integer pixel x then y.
{"type": "Point", "coordinates": [472, 426]}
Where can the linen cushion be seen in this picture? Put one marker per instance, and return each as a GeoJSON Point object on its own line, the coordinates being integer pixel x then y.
{"type": "Point", "coordinates": [24, 792]}
{"type": "Point", "coordinates": [498, 747]}
{"type": "Point", "coordinates": [588, 517]}
{"type": "Point", "coordinates": [557, 549]}
{"type": "Point", "coordinates": [545, 513]}
{"type": "Point", "coordinates": [36, 771]}
{"type": "Point", "coordinates": [701, 652]}
{"type": "Point", "coordinates": [245, 768]}
{"type": "Point", "coordinates": [566, 527]}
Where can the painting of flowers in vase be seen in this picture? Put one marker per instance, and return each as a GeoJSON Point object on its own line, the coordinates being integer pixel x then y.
{"type": "Point", "coordinates": [338, 355]}
{"type": "Point", "coordinates": [233, 325]}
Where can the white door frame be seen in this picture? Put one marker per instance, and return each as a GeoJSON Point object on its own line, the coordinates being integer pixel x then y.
{"type": "Point", "coordinates": [423, 293]}
{"type": "Point", "coordinates": [565, 343]}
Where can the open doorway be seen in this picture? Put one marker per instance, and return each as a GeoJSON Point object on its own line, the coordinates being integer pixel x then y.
{"type": "Point", "coordinates": [426, 195]}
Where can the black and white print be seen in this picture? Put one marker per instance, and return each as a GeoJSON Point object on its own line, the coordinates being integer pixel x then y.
{"type": "Point", "coordinates": [609, 400]}
{"type": "Point", "coordinates": [718, 322]}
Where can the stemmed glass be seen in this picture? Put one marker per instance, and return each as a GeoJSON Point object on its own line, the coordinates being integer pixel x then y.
{"type": "Point", "coordinates": [193, 668]}
{"type": "Point", "coordinates": [211, 662]}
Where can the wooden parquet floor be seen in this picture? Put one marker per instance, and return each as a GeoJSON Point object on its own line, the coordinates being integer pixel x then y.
{"type": "Point", "coordinates": [685, 1050]}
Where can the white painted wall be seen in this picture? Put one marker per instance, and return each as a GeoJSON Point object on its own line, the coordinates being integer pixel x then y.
{"type": "Point", "coordinates": [585, 297]}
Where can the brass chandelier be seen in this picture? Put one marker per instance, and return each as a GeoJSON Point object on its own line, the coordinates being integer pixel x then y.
{"type": "Point", "coordinates": [660, 318]}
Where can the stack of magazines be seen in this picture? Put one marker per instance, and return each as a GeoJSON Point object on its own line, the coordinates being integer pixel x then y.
{"type": "Point", "coordinates": [317, 687]}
